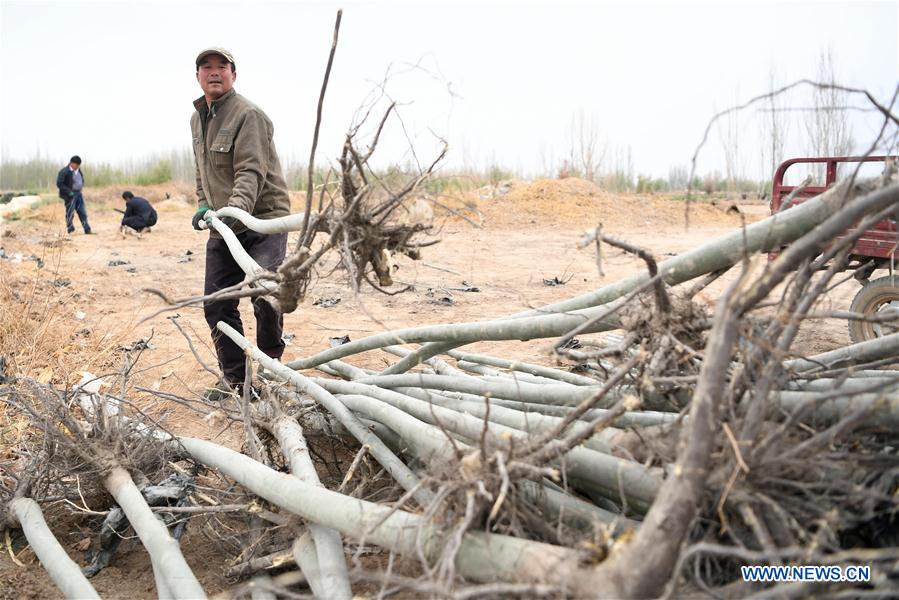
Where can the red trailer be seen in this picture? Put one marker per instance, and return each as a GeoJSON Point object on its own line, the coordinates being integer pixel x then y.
{"type": "Point", "coordinates": [877, 248]}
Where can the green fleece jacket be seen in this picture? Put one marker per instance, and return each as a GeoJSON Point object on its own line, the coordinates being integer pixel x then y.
{"type": "Point", "coordinates": [237, 164]}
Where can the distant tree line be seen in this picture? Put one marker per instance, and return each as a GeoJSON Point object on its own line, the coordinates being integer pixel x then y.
{"type": "Point", "coordinates": [39, 174]}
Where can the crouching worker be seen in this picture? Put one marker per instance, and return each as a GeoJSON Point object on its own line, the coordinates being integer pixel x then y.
{"type": "Point", "coordinates": [139, 217]}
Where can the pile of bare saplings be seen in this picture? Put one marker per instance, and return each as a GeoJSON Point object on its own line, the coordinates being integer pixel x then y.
{"type": "Point", "coordinates": [668, 446]}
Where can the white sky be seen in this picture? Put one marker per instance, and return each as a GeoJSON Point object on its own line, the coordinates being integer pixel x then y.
{"type": "Point", "coordinates": [114, 81]}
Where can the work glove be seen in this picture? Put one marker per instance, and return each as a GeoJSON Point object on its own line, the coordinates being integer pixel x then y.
{"type": "Point", "coordinates": [198, 216]}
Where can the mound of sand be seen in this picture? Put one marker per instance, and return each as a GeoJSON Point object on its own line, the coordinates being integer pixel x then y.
{"type": "Point", "coordinates": [576, 202]}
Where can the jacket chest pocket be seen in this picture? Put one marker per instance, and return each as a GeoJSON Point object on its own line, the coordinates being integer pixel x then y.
{"type": "Point", "coordinates": [221, 150]}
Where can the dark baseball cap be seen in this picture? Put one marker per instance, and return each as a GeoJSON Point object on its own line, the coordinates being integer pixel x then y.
{"type": "Point", "coordinates": [215, 50]}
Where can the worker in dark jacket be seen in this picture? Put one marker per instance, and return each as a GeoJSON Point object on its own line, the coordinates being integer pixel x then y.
{"type": "Point", "coordinates": [70, 182]}
{"type": "Point", "coordinates": [139, 214]}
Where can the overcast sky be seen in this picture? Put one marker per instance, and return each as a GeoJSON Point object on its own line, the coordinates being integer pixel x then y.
{"type": "Point", "coordinates": [501, 81]}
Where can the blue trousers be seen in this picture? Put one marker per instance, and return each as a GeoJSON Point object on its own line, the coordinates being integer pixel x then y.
{"type": "Point", "coordinates": [73, 205]}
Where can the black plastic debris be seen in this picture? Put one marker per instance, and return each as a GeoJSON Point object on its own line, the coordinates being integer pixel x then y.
{"type": "Point", "coordinates": [172, 491]}
{"type": "Point", "coordinates": [572, 344]}
{"type": "Point", "coordinates": [326, 302]}
{"type": "Point", "coordinates": [555, 281]}
{"type": "Point", "coordinates": [339, 341]}
{"type": "Point", "coordinates": [443, 301]}
{"type": "Point", "coordinates": [140, 344]}
{"type": "Point", "coordinates": [435, 297]}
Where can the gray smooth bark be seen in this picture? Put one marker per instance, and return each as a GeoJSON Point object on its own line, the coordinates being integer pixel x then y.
{"type": "Point", "coordinates": [379, 450]}
{"type": "Point", "coordinates": [481, 556]}
{"type": "Point", "coordinates": [862, 352]}
{"type": "Point", "coordinates": [777, 230]}
{"type": "Point", "coordinates": [164, 551]}
{"type": "Point", "coordinates": [330, 565]}
{"type": "Point", "coordinates": [64, 572]}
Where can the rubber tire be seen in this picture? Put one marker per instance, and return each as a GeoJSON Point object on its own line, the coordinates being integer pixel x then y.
{"type": "Point", "coordinates": [868, 301]}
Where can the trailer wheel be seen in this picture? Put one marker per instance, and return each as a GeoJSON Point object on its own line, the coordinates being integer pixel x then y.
{"type": "Point", "coordinates": [876, 296]}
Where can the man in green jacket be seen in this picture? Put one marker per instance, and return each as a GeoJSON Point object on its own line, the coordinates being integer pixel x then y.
{"type": "Point", "coordinates": [237, 165]}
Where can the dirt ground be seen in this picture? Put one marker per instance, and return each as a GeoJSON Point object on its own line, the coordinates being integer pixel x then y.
{"type": "Point", "coordinates": [91, 288]}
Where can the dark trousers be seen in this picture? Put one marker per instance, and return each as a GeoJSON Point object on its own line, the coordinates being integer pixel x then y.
{"type": "Point", "coordinates": [73, 205]}
{"type": "Point", "coordinates": [222, 271]}
{"type": "Point", "coordinates": [137, 223]}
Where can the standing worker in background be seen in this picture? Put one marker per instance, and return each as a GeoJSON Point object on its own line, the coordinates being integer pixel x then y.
{"type": "Point", "coordinates": [139, 214]}
{"type": "Point", "coordinates": [237, 165]}
{"type": "Point", "coordinates": [70, 182]}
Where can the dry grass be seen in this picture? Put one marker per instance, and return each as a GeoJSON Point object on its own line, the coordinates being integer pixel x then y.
{"type": "Point", "coordinates": [38, 337]}
{"type": "Point", "coordinates": [42, 339]}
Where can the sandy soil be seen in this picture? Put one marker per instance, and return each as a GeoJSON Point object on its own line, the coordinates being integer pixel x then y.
{"type": "Point", "coordinates": [523, 237]}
